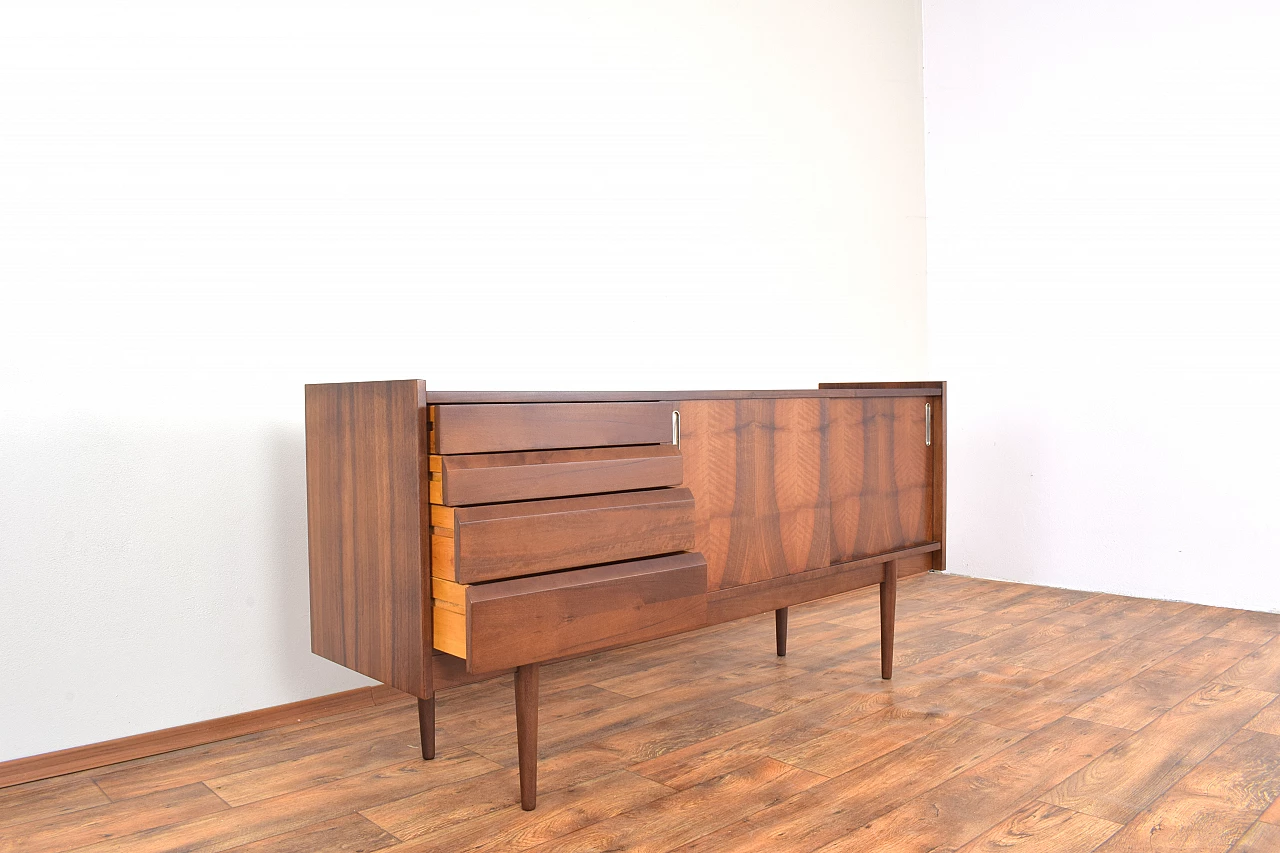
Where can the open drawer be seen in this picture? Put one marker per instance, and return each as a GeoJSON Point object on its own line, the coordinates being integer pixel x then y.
{"type": "Point", "coordinates": [501, 427]}
{"type": "Point", "coordinates": [495, 541]}
{"type": "Point", "coordinates": [486, 478]}
{"type": "Point", "coordinates": [565, 614]}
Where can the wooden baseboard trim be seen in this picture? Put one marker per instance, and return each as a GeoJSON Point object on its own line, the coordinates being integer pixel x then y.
{"type": "Point", "coordinates": [31, 768]}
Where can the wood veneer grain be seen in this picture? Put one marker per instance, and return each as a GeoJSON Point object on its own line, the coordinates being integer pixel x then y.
{"type": "Point", "coordinates": [366, 460]}
{"type": "Point", "coordinates": [786, 486]}
{"type": "Point", "coordinates": [498, 541]}
{"type": "Point", "coordinates": [493, 428]}
{"type": "Point", "coordinates": [544, 617]}
{"type": "Point", "coordinates": [527, 733]}
{"type": "Point", "coordinates": [937, 526]}
{"type": "Point", "coordinates": [534, 475]}
{"type": "Point", "coordinates": [888, 609]}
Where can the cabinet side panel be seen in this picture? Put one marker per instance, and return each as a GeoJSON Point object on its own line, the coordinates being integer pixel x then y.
{"type": "Point", "coordinates": [366, 451]}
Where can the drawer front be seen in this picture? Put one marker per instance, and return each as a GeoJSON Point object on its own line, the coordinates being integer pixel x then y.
{"type": "Point", "coordinates": [499, 477]}
{"type": "Point", "coordinates": [502, 427]}
{"type": "Point", "coordinates": [514, 622]}
{"type": "Point", "coordinates": [484, 543]}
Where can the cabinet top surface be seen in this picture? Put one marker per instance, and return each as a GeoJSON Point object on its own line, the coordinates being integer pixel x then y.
{"type": "Point", "coordinates": [843, 389]}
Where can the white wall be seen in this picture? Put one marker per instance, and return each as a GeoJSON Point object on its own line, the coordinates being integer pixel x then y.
{"type": "Point", "coordinates": [203, 206]}
{"type": "Point", "coordinates": [1103, 193]}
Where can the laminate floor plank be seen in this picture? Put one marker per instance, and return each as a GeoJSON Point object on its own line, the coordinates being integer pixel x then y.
{"type": "Point", "coordinates": [863, 603]}
{"type": "Point", "coordinates": [971, 803]}
{"type": "Point", "coordinates": [933, 617]}
{"type": "Point", "coordinates": [833, 809]}
{"type": "Point", "coordinates": [346, 759]}
{"type": "Point", "coordinates": [237, 755]}
{"type": "Point", "coordinates": [990, 596]}
{"type": "Point", "coordinates": [476, 796]}
{"type": "Point", "coordinates": [810, 686]}
{"type": "Point", "coordinates": [682, 670]}
{"type": "Point", "coordinates": [717, 755]}
{"type": "Point", "coordinates": [1268, 720]}
{"type": "Point", "coordinates": [1191, 624]}
{"type": "Point", "coordinates": [1044, 603]}
{"type": "Point", "coordinates": [1250, 626]}
{"type": "Point", "coordinates": [644, 710]}
{"type": "Point", "coordinates": [651, 740]}
{"type": "Point", "coordinates": [1272, 814]}
{"type": "Point", "coordinates": [666, 823]}
{"type": "Point", "coordinates": [1143, 698]}
{"type": "Point", "coordinates": [673, 671]}
{"type": "Point", "coordinates": [288, 812]}
{"type": "Point", "coordinates": [1019, 718]}
{"type": "Point", "coordinates": [112, 821]}
{"type": "Point", "coordinates": [1061, 692]}
{"type": "Point", "coordinates": [972, 692]}
{"type": "Point", "coordinates": [632, 660]}
{"type": "Point", "coordinates": [1038, 827]}
{"type": "Point", "coordinates": [48, 798]}
{"type": "Point", "coordinates": [915, 644]}
{"type": "Point", "coordinates": [498, 718]}
{"type": "Point", "coordinates": [850, 746]}
{"type": "Point", "coordinates": [349, 833]}
{"type": "Point", "coordinates": [1100, 634]}
{"type": "Point", "coordinates": [1260, 670]}
{"type": "Point", "coordinates": [998, 648]}
{"type": "Point", "coordinates": [444, 810]}
{"type": "Point", "coordinates": [1109, 605]}
{"type": "Point", "coordinates": [1213, 806]}
{"type": "Point", "coordinates": [559, 813]}
{"type": "Point", "coordinates": [1261, 838]}
{"type": "Point", "coordinates": [1125, 780]}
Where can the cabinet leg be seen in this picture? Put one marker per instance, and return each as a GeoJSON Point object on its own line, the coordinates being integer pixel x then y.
{"type": "Point", "coordinates": [527, 733]}
{"type": "Point", "coordinates": [780, 628]}
{"type": "Point", "coordinates": [888, 606]}
{"type": "Point", "coordinates": [427, 727]}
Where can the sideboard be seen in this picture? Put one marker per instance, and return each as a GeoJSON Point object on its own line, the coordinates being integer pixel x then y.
{"type": "Point", "coordinates": [457, 536]}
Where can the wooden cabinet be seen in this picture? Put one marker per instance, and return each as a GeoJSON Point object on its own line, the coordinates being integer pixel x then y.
{"type": "Point", "coordinates": [455, 536]}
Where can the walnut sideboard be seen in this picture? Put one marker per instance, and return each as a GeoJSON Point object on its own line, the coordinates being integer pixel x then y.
{"type": "Point", "coordinates": [456, 536]}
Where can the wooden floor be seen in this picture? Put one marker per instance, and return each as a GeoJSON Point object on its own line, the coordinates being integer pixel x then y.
{"type": "Point", "coordinates": [1020, 718]}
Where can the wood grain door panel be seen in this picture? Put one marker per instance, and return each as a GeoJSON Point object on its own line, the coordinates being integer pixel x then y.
{"type": "Point", "coordinates": [787, 485]}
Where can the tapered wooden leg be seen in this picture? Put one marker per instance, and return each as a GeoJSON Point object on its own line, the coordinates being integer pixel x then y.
{"type": "Point", "coordinates": [780, 628]}
{"type": "Point", "coordinates": [527, 733]}
{"type": "Point", "coordinates": [888, 606]}
{"type": "Point", "coordinates": [427, 727]}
